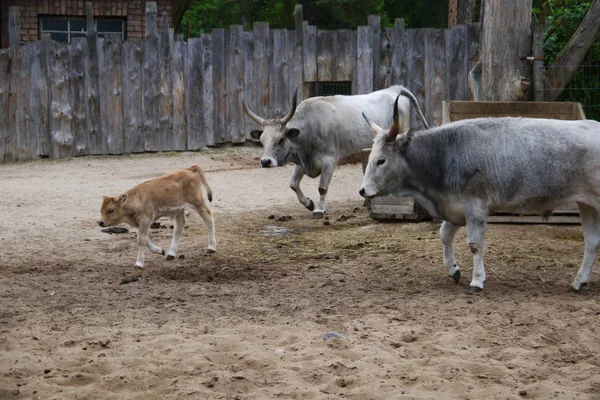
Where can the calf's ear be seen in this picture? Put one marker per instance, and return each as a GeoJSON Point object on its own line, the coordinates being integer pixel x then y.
{"type": "Point", "coordinates": [292, 133]}
{"type": "Point", "coordinates": [122, 198]}
{"type": "Point", "coordinates": [255, 134]}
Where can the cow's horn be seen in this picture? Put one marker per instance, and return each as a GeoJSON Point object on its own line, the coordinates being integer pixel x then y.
{"type": "Point", "coordinates": [289, 116]}
{"type": "Point", "coordinates": [374, 127]}
{"type": "Point", "coordinates": [255, 117]}
{"type": "Point", "coordinates": [395, 128]}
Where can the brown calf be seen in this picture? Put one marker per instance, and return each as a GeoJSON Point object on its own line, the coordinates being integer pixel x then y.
{"type": "Point", "coordinates": [165, 196]}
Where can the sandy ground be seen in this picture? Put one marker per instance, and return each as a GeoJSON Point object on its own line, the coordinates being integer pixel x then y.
{"type": "Point", "coordinates": [248, 322]}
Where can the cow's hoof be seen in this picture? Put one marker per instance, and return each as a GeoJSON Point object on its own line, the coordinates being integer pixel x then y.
{"type": "Point", "coordinates": [575, 290]}
{"type": "Point", "coordinates": [137, 265]}
{"type": "Point", "coordinates": [456, 276]}
{"type": "Point", "coordinates": [211, 250]}
{"type": "Point", "coordinates": [170, 257]}
{"type": "Point", "coordinates": [311, 205]}
{"type": "Point", "coordinates": [474, 289]}
{"type": "Point", "coordinates": [318, 214]}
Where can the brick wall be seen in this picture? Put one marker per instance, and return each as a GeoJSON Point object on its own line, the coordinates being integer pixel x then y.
{"type": "Point", "coordinates": [31, 10]}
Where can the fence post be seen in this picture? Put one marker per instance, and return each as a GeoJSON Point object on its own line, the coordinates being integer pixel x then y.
{"type": "Point", "coordinates": [298, 62]}
{"type": "Point", "coordinates": [538, 64]}
{"type": "Point", "coordinates": [14, 29]}
{"type": "Point", "coordinates": [97, 142]}
{"type": "Point", "coordinates": [151, 81]}
{"type": "Point", "coordinates": [375, 24]}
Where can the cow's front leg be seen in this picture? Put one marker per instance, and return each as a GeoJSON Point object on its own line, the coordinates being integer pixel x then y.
{"type": "Point", "coordinates": [297, 175]}
{"type": "Point", "coordinates": [447, 233]}
{"type": "Point", "coordinates": [327, 167]}
{"type": "Point", "coordinates": [590, 222]}
{"type": "Point", "coordinates": [143, 240]}
{"type": "Point", "coordinates": [178, 224]}
{"type": "Point", "coordinates": [475, 237]}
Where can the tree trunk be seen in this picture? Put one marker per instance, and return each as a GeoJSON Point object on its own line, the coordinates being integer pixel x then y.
{"type": "Point", "coordinates": [506, 37]}
{"type": "Point", "coordinates": [568, 60]}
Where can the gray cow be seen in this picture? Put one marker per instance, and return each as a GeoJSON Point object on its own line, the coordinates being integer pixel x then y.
{"type": "Point", "coordinates": [325, 131]}
{"type": "Point", "coordinates": [464, 171]}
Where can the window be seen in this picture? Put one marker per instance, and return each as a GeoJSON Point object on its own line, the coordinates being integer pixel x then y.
{"type": "Point", "coordinates": [329, 88]}
{"type": "Point", "coordinates": [64, 29]}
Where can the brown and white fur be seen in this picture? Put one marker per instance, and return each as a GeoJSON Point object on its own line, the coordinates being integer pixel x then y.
{"type": "Point", "coordinates": [165, 196]}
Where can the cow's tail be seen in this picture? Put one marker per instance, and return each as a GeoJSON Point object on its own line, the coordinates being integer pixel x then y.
{"type": "Point", "coordinates": [407, 93]}
{"type": "Point", "coordinates": [200, 173]}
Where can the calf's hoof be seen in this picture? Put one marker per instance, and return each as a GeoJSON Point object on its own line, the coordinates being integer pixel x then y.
{"type": "Point", "coordinates": [170, 257]}
{"type": "Point", "coordinates": [311, 205]}
{"type": "Point", "coordinates": [138, 265]}
{"type": "Point", "coordinates": [474, 289]}
{"type": "Point", "coordinates": [573, 289]}
{"type": "Point", "coordinates": [318, 214]}
{"type": "Point", "coordinates": [211, 250]}
{"type": "Point", "coordinates": [456, 276]}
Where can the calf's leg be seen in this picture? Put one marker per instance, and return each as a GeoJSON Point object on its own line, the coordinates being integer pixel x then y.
{"type": "Point", "coordinates": [178, 224]}
{"type": "Point", "coordinates": [209, 222]}
{"type": "Point", "coordinates": [447, 233]}
{"type": "Point", "coordinates": [297, 176]}
{"type": "Point", "coordinates": [143, 239]}
{"type": "Point", "coordinates": [590, 222]}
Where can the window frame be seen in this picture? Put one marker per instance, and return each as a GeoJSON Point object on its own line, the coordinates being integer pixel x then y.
{"type": "Point", "coordinates": [69, 32]}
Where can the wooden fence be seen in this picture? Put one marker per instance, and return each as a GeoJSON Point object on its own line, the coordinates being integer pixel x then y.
{"type": "Point", "coordinates": [99, 96]}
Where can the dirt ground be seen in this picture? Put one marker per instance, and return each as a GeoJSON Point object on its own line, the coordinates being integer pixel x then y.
{"type": "Point", "coordinates": [248, 322]}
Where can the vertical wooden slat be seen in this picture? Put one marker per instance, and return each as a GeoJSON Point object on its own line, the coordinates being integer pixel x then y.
{"type": "Point", "coordinates": [151, 82]}
{"type": "Point", "coordinates": [235, 82]}
{"type": "Point", "coordinates": [257, 97]}
{"type": "Point", "coordinates": [457, 63]}
{"type": "Point", "coordinates": [435, 75]}
{"type": "Point", "coordinates": [113, 70]}
{"type": "Point", "coordinates": [279, 87]}
{"type": "Point", "coordinates": [78, 49]}
{"type": "Point", "coordinates": [196, 138]}
{"type": "Point", "coordinates": [40, 97]}
{"type": "Point", "coordinates": [97, 144]}
{"type": "Point", "coordinates": [399, 54]}
{"type": "Point", "coordinates": [23, 138]}
{"type": "Point", "coordinates": [60, 88]}
{"type": "Point", "coordinates": [538, 65]}
{"type": "Point", "coordinates": [473, 44]}
{"type": "Point", "coordinates": [415, 71]}
{"type": "Point", "coordinates": [375, 25]}
{"type": "Point", "coordinates": [354, 49]}
{"type": "Point", "coordinates": [4, 100]}
{"type": "Point", "coordinates": [14, 28]}
{"type": "Point", "coordinates": [364, 68]}
{"type": "Point", "coordinates": [310, 53]}
{"type": "Point", "coordinates": [179, 95]}
{"type": "Point", "coordinates": [326, 45]}
{"type": "Point", "coordinates": [133, 56]}
{"type": "Point", "coordinates": [247, 123]}
{"type": "Point", "coordinates": [10, 141]}
{"type": "Point", "coordinates": [298, 56]}
{"type": "Point", "coordinates": [103, 96]}
{"type": "Point", "coordinates": [207, 91]}
{"type": "Point", "coordinates": [165, 86]}
{"type": "Point", "coordinates": [345, 52]}
{"type": "Point", "coordinates": [218, 52]}
{"type": "Point", "coordinates": [385, 67]}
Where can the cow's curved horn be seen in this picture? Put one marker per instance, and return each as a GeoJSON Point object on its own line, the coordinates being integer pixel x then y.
{"type": "Point", "coordinates": [395, 128]}
{"type": "Point", "coordinates": [376, 128]}
{"type": "Point", "coordinates": [248, 112]}
{"type": "Point", "coordinates": [289, 116]}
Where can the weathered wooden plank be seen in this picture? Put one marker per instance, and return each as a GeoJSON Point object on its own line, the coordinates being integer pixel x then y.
{"type": "Point", "coordinates": [297, 60]}
{"type": "Point", "coordinates": [354, 54]}
{"type": "Point", "coordinates": [103, 94]}
{"type": "Point", "coordinates": [473, 45]}
{"type": "Point", "coordinates": [97, 143]}
{"type": "Point", "coordinates": [326, 45]}
{"type": "Point", "coordinates": [235, 84]}
{"type": "Point", "coordinates": [457, 116]}
{"type": "Point", "coordinates": [78, 49]}
{"type": "Point", "coordinates": [510, 107]}
{"type": "Point", "coordinates": [310, 53]}
{"type": "Point", "coordinates": [364, 68]}
{"type": "Point", "coordinates": [257, 97]}
{"type": "Point", "coordinates": [394, 200]}
{"type": "Point", "coordinates": [534, 219]}
{"type": "Point", "coordinates": [133, 55]}
{"type": "Point", "coordinates": [345, 52]}
{"type": "Point", "coordinates": [195, 137]}
{"type": "Point", "coordinates": [5, 79]}
{"type": "Point", "coordinates": [375, 25]}
{"type": "Point", "coordinates": [60, 106]}
{"type": "Point", "coordinates": [179, 95]}
{"type": "Point", "coordinates": [435, 75]}
{"type": "Point", "coordinates": [218, 53]}
{"type": "Point", "coordinates": [248, 124]}
{"type": "Point", "coordinates": [151, 82]}
{"type": "Point", "coordinates": [393, 208]}
{"type": "Point", "coordinates": [165, 121]}
{"type": "Point", "coordinates": [399, 53]}
{"type": "Point", "coordinates": [23, 137]}
{"type": "Point", "coordinates": [385, 66]}
{"type": "Point", "coordinates": [14, 28]}
{"type": "Point", "coordinates": [207, 91]}
{"type": "Point", "coordinates": [279, 86]}
{"type": "Point", "coordinates": [415, 72]}
{"type": "Point", "coordinates": [113, 80]}
{"type": "Point", "coordinates": [457, 63]}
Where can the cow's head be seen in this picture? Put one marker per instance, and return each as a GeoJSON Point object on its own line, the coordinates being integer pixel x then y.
{"type": "Point", "coordinates": [274, 136]}
{"type": "Point", "coordinates": [111, 211]}
{"type": "Point", "coordinates": [387, 166]}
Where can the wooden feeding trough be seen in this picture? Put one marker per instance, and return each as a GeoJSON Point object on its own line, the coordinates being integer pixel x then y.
{"type": "Point", "coordinates": [405, 207]}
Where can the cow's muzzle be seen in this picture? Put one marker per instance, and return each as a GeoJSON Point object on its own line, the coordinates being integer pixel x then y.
{"type": "Point", "coordinates": [265, 163]}
{"type": "Point", "coordinates": [364, 194]}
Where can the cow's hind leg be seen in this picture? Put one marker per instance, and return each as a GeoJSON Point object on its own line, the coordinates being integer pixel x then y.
{"type": "Point", "coordinates": [297, 176]}
{"type": "Point", "coordinates": [590, 222]}
{"type": "Point", "coordinates": [476, 223]}
{"type": "Point", "coordinates": [143, 239]}
{"type": "Point", "coordinates": [178, 224]}
{"type": "Point", "coordinates": [209, 222]}
{"type": "Point", "coordinates": [447, 233]}
{"type": "Point", "coordinates": [327, 168]}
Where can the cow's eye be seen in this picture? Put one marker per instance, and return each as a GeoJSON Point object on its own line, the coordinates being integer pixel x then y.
{"type": "Point", "coordinates": [281, 140]}
{"type": "Point", "coordinates": [111, 211]}
{"type": "Point", "coordinates": [380, 162]}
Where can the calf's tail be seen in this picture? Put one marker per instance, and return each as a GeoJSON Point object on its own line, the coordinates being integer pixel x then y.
{"type": "Point", "coordinates": [200, 173]}
{"type": "Point", "coordinates": [407, 93]}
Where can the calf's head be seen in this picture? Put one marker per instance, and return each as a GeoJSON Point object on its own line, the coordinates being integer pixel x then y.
{"type": "Point", "coordinates": [274, 136]}
{"type": "Point", "coordinates": [387, 165]}
{"type": "Point", "coordinates": [111, 211]}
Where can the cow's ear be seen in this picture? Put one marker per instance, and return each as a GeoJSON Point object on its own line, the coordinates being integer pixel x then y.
{"type": "Point", "coordinates": [255, 134]}
{"type": "Point", "coordinates": [122, 198]}
{"type": "Point", "coordinates": [405, 139]}
{"type": "Point", "coordinates": [292, 133]}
